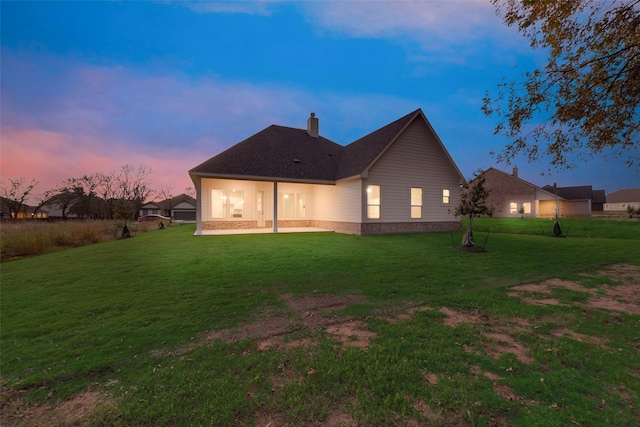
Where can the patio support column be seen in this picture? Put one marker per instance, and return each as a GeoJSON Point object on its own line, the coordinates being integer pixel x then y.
{"type": "Point", "coordinates": [275, 206]}
{"type": "Point", "coordinates": [198, 184]}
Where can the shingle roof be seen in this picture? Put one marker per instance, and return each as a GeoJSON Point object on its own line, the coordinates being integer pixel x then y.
{"type": "Point", "coordinates": [292, 154]}
{"type": "Point", "coordinates": [285, 153]}
{"type": "Point", "coordinates": [277, 152]}
{"type": "Point", "coordinates": [599, 196]}
{"type": "Point", "coordinates": [581, 192]}
{"type": "Point", "coordinates": [513, 177]}
{"type": "Point", "coordinates": [176, 200]}
{"type": "Point", "coordinates": [623, 196]}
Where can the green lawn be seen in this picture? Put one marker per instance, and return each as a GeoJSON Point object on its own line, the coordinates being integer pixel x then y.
{"type": "Point", "coordinates": [152, 330]}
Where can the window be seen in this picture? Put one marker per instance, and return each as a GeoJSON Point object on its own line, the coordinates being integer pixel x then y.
{"type": "Point", "coordinates": [292, 205]}
{"type": "Point", "coordinates": [446, 196]}
{"type": "Point", "coordinates": [236, 203]}
{"type": "Point", "coordinates": [218, 203]}
{"type": "Point", "coordinates": [526, 208]}
{"type": "Point", "coordinates": [416, 202]}
{"type": "Point", "coordinates": [373, 201]}
{"type": "Point", "coordinates": [227, 203]}
{"type": "Point", "coordinates": [513, 208]}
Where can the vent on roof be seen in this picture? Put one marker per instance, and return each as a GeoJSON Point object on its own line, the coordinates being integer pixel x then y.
{"type": "Point", "coordinates": [313, 126]}
{"type": "Point", "coordinates": [515, 171]}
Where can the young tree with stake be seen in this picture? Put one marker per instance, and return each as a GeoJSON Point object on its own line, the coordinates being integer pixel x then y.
{"type": "Point", "coordinates": [473, 203]}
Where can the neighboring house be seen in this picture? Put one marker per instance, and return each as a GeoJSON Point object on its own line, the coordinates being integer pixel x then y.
{"type": "Point", "coordinates": [620, 200]}
{"type": "Point", "coordinates": [151, 208]}
{"type": "Point", "coordinates": [512, 196]}
{"type": "Point", "coordinates": [580, 193]}
{"type": "Point", "coordinates": [178, 208]}
{"type": "Point", "coordinates": [399, 178]}
{"type": "Point", "coordinates": [13, 209]}
{"type": "Point", "coordinates": [54, 211]}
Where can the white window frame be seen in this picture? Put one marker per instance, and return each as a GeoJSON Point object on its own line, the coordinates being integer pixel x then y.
{"type": "Point", "coordinates": [416, 202]}
{"type": "Point", "coordinates": [446, 196]}
{"type": "Point", "coordinates": [374, 205]}
{"type": "Point", "coordinates": [513, 208]}
{"type": "Point", "coordinates": [298, 207]}
{"type": "Point", "coordinates": [225, 211]}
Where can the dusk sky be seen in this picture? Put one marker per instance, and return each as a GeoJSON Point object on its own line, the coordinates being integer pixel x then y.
{"type": "Point", "coordinates": [89, 86]}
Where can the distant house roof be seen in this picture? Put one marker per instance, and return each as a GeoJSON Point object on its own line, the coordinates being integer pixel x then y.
{"type": "Point", "coordinates": [581, 192]}
{"type": "Point", "coordinates": [284, 153]}
{"type": "Point", "coordinates": [516, 178]}
{"type": "Point", "coordinates": [599, 196]}
{"type": "Point", "coordinates": [623, 196]}
{"type": "Point", "coordinates": [176, 200]}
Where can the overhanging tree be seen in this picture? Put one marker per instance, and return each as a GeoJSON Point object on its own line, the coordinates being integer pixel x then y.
{"type": "Point", "coordinates": [586, 99]}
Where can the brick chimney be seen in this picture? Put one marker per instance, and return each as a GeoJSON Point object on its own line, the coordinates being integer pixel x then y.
{"type": "Point", "coordinates": [313, 126]}
{"type": "Point", "coordinates": [515, 171]}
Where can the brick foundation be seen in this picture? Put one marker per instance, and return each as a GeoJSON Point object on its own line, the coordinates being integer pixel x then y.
{"type": "Point", "coordinates": [341, 227]}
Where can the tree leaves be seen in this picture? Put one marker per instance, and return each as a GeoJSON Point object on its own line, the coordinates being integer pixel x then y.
{"type": "Point", "coordinates": [586, 99]}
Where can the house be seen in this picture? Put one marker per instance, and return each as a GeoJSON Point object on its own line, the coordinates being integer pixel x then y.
{"type": "Point", "coordinates": [620, 200]}
{"type": "Point", "coordinates": [512, 196]}
{"type": "Point", "coordinates": [584, 192]}
{"type": "Point", "coordinates": [399, 178]}
{"type": "Point", "coordinates": [150, 208]}
{"type": "Point", "coordinates": [11, 209]}
{"type": "Point", "coordinates": [178, 208]}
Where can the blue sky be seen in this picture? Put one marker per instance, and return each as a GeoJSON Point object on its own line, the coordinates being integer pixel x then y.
{"type": "Point", "coordinates": [90, 86]}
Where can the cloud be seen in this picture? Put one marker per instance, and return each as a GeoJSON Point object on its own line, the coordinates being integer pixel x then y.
{"type": "Point", "coordinates": [51, 158]}
{"type": "Point", "coordinates": [262, 7]}
{"type": "Point", "coordinates": [97, 118]}
{"type": "Point", "coordinates": [433, 24]}
{"type": "Point", "coordinates": [428, 22]}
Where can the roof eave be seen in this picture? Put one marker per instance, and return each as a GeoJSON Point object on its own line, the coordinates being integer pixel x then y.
{"type": "Point", "coordinates": [195, 175]}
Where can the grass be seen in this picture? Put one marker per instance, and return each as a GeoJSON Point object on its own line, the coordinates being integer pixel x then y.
{"type": "Point", "coordinates": [593, 227]}
{"type": "Point", "coordinates": [111, 317]}
{"type": "Point", "coordinates": [24, 238]}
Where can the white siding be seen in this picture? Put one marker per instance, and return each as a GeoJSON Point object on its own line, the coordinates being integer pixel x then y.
{"type": "Point", "coordinates": [415, 159]}
{"type": "Point", "coordinates": [341, 202]}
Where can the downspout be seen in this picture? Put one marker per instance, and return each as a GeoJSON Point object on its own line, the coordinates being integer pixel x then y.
{"type": "Point", "coordinates": [275, 206]}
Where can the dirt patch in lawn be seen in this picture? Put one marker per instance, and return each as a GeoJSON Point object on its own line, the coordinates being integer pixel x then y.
{"type": "Point", "coordinates": [455, 318]}
{"type": "Point", "coordinates": [624, 297]}
{"type": "Point", "coordinates": [293, 327]}
{"type": "Point", "coordinates": [579, 337]}
{"type": "Point", "coordinates": [73, 412]}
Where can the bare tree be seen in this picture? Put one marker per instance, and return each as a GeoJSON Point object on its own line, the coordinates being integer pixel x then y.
{"type": "Point", "coordinates": [16, 192]}
{"type": "Point", "coordinates": [106, 191]}
{"type": "Point", "coordinates": [190, 191]}
{"type": "Point", "coordinates": [63, 198]}
{"type": "Point", "coordinates": [86, 203]}
{"type": "Point", "coordinates": [134, 185]}
{"type": "Point", "coordinates": [165, 194]}
{"type": "Point", "coordinates": [42, 200]}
